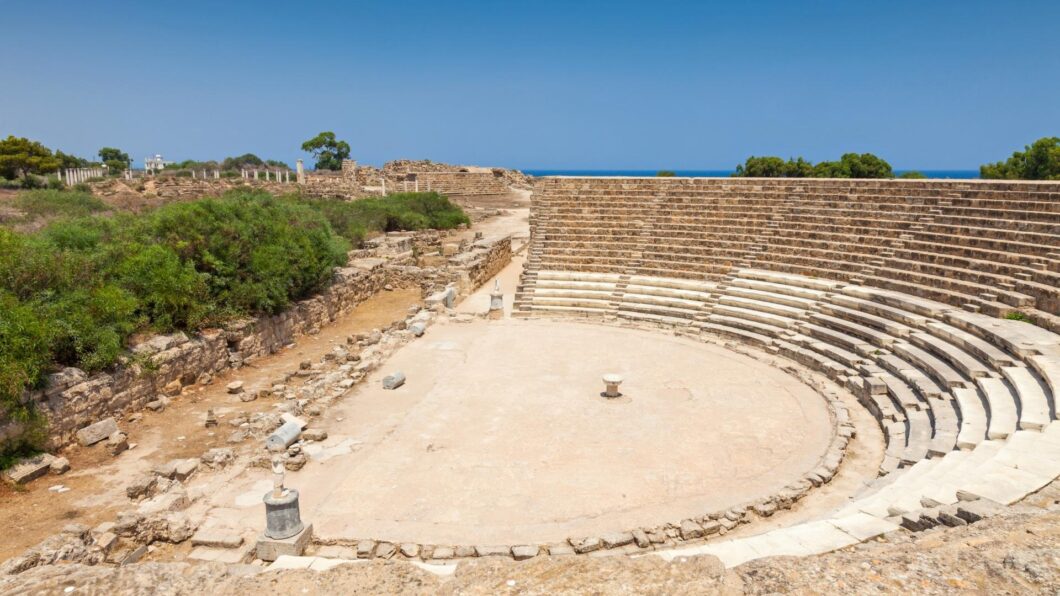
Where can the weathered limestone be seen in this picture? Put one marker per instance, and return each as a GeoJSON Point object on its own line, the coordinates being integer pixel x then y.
{"type": "Point", "coordinates": [611, 383]}
{"type": "Point", "coordinates": [96, 432]}
{"type": "Point", "coordinates": [394, 380]}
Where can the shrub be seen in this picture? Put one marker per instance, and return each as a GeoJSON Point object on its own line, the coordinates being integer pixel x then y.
{"type": "Point", "coordinates": [30, 181]}
{"type": "Point", "coordinates": [51, 202]}
{"type": "Point", "coordinates": [72, 293]}
{"type": "Point", "coordinates": [912, 175]}
{"type": "Point", "coordinates": [355, 220]}
{"type": "Point", "coordinates": [665, 174]}
{"type": "Point", "coordinates": [1017, 316]}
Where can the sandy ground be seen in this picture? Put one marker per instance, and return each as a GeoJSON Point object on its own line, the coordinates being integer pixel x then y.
{"type": "Point", "coordinates": [500, 436]}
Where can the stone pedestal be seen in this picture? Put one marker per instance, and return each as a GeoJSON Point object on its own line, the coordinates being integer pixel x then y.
{"type": "Point", "coordinates": [611, 383]}
{"type": "Point", "coordinates": [496, 302]}
{"type": "Point", "coordinates": [282, 517]}
{"type": "Point", "coordinates": [270, 549]}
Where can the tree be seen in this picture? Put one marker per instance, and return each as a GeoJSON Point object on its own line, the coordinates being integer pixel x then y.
{"type": "Point", "coordinates": [774, 167]}
{"type": "Point", "coordinates": [67, 160]}
{"type": "Point", "coordinates": [20, 156]}
{"type": "Point", "coordinates": [247, 160]}
{"type": "Point", "coordinates": [328, 151]}
{"type": "Point", "coordinates": [115, 160]}
{"type": "Point", "coordinates": [853, 165]}
{"type": "Point", "coordinates": [1039, 161]}
{"type": "Point", "coordinates": [761, 167]}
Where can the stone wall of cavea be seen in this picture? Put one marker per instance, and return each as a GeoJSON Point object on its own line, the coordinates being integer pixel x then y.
{"type": "Point", "coordinates": [985, 246]}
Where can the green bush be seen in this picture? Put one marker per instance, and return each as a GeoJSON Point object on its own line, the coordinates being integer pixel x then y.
{"type": "Point", "coordinates": [850, 165]}
{"type": "Point", "coordinates": [72, 293]}
{"type": "Point", "coordinates": [355, 220]}
{"type": "Point", "coordinates": [1017, 316]}
{"type": "Point", "coordinates": [912, 175]}
{"type": "Point", "coordinates": [52, 202]}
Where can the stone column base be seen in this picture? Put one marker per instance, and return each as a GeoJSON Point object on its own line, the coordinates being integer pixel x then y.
{"type": "Point", "coordinates": [270, 549]}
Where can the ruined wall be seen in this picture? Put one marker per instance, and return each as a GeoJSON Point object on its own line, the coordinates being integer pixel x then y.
{"type": "Point", "coordinates": [485, 259]}
{"type": "Point", "coordinates": [164, 364]}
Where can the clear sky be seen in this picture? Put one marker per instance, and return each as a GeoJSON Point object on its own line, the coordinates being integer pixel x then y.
{"type": "Point", "coordinates": [537, 84]}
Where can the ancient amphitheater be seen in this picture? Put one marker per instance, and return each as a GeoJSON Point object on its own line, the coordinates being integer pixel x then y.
{"type": "Point", "coordinates": [803, 366]}
{"type": "Point", "coordinates": [896, 291]}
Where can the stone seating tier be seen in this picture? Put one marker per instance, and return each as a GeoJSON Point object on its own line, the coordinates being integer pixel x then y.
{"type": "Point", "coordinates": [895, 237]}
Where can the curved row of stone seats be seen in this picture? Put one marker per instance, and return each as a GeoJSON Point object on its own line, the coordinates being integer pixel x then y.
{"type": "Point", "coordinates": [951, 358]}
{"type": "Point", "coordinates": [971, 485]}
{"type": "Point", "coordinates": [932, 385]}
{"type": "Point", "coordinates": [902, 236]}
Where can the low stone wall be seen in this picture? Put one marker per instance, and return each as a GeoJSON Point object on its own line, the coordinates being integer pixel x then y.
{"type": "Point", "coordinates": [485, 259]}
{"type": "Point", "coordinates": [164, 364]}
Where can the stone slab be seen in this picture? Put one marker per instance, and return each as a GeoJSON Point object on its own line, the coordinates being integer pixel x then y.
{"type": "Point", "coordinates": [217, 538]}
{"type": "Point", "coordinates": [29, 468]}
{"type": "Point", "coordinates": [96, 432]}
{"type": "Point", "coordinates": [270, 549]}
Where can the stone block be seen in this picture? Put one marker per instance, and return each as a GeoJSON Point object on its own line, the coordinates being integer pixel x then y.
{"type": "Point", "coordinates": [464, 552]}
{"type": "Point", "coordinates": [315, 434]}
{"type": "Point", "coordinates": [393, 381]}
{"type": "Point", "coordinates": [365, 549]}
{"type": "Point", "coordinates": [117, 443]}
{"type": "Point", "coordinates": [385, 550]}
{"type": "Point", "coordinates": [96, 432]}
{"type": "Point", "coordinates": [29, 468]}
{"type": "Point", "coordinates": [524, 552]}
{"type": "Point", "coordinates": [690, 530]}
{"type": "Point", "coordinates": [492, 551]}
{"type": "Point", "coordinates": [141, 486]}
{"type": "Point", "coordinates": [442, 553]}
{"type": "Point", "coordinates": [587, 545]}
{"type": "Point", "coordinates": [217, 538]}
{"type": "Point", "coordinates": [184, 468]}
{"type": "Point", "coordinates": [616, 539]}
{"type": "Point", "coordinates": [640, 537]}
{"type": "Point", "coordinates": [106, 541]}
{"type": "Point", "coordinates": [59, 465]}
{"type": "Point", "coordinates": [270, 549]}
{"type": "Point", "coordinates": [560, 550]}
{"type": "Point", "coordinates": [235, 387]}
{"type": "Point", "coordinates": [410, 550]}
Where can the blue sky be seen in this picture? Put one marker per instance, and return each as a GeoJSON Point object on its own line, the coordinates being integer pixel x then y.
{"type": "Point", "coordinates": [541, 84]}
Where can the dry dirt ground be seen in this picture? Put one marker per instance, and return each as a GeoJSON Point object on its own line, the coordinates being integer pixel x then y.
{"type": "Point", "coordinates": [96, 480]}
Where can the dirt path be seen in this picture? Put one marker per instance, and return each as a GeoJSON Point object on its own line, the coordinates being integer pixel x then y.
{"type": "Point", "coordinates": [97, 481]}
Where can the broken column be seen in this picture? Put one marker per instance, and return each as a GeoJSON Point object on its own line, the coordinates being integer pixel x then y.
{"type": "Point", "coordinates": [393, 381]}
{"type": "Point", "coordinates": [300, 175]}
{"type": "Point", "coordinates": [285, 534]}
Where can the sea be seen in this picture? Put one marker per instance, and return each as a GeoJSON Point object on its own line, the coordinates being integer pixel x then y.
{"type": "Point", "coordinates": [955, 174]}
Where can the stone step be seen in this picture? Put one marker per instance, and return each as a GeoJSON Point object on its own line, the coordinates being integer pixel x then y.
{"type": "Point", "coordinates": [1003, 419]}
{"type": "Point", "coordinates": [1034, 411]}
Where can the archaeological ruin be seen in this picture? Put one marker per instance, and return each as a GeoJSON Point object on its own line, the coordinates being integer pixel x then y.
{"type": "Point", "coordinates": [634, 372]}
